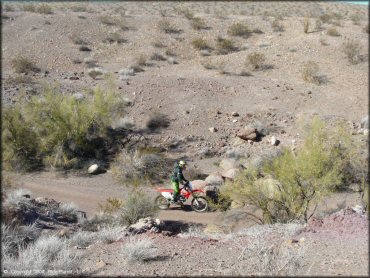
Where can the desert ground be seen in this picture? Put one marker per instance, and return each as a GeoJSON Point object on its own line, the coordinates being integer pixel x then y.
{"type": "Point", "coordinates": [207, 94]}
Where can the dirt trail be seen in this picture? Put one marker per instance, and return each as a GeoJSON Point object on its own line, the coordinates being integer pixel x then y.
{"type": "Point", "coordinates": [88, 192]}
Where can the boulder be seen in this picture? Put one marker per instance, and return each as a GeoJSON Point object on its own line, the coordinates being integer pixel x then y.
{"type": "Point", "coordinates": [229, 163]}
{"type": "Point", "coordinates": [199, 184]}
{"type": "Point", "coordinates": [231, 173]}
{"type": "Point", "coordinates": [93, 169]}
{"type": "Point", "coordinates": [215, 179]}
{"type": "Point", "coordinates": [144, 225]}
{"type": "Point", "coordinates": [247, 134]}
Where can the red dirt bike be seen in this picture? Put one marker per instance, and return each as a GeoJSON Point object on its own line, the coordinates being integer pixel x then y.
{"type": "Point", "coordinates": [198, 204]}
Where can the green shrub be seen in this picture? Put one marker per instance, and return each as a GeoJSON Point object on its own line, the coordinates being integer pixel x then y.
{"type": "Point", "coordinates": [352, 51]}
{"type": "Point", "coordinates": [294, 181]}
{"type": "Point", "coordinates": [137, 205]}
{"type": "Point", "coordinates": [44, 9]}
{"type": "Point", "coordinates": [225, 46]}
{"type": "Point", "coordinates": [333, 32]}
{"type": "Point", "coordinates": [239, 29]}
{"type": "Point", "coordinates": [255, 60]}
{"type": "Point", "coordinates": [24, 65]}
{"type": "Point", "coordinates": [58, 129]}
{"type": "Point", "coordinates": [200, 44]}
{"type": "Point", "coordinates": [198, 23]}
{"type": "Point", "coordinates": [310, 73]}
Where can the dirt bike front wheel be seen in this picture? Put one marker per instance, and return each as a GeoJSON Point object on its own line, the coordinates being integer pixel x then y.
{"type": "Point", "coordinates": [162, 202]}
{"type": "Point", "coordinates": [199, 204]}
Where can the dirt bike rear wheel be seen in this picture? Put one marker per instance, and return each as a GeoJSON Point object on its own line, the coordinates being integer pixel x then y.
{"type": "Point", "coordinates": [199, 204]}
{"type": "Point", "coordinates": [162, 202]}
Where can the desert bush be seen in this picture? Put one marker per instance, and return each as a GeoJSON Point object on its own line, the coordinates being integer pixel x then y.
{"type": "Point", "coordinates": [198, 23]}
{"type": "Point", "coordinates": [333, 32]}
{"type": "Point", "coordinates": [158, 44]}
{"type": "Point", "coordinates": [44, 9]}
{"type": "Point", "coordinates": [306, 24]}
{"type": "Point", "coordinates": [111, 205]}
{"type": "Point", "coordinates": [46, 254]}
{"type": "Point", "coordinates": [200, 44]}
{"type": "Point", "coordinates": [78, 8]}
{"type": "Point", "coordinates": [352, 51]}
{"type": "Point", "coordinates": [99, 221]}
{"type": "Point", "coordinates": [366, 28]}
{"type": "Point", "coordinates": [239, 29]}
{"type": "Point", "coordinates": [82, 239]}
{"type": "Point", "coordinates": [310, 73]}
{"type": "Point", "coordinates": [9, 8]}
{"type": "Point", "coordinates": [296, 180]}
{"type": "Point", "coordinates": [110, 234]}
{"type": "Point", "coordinates": [141, 60]}
{"type": "Point", "coordinates": [157, 57]}
{"type": "Point", "coordinates": [157, 120]}
{"type": "Point", "coordinates": [29, 8]}
{"type": "Point", "coordinates": [139, 250]}
{"type": "Point", "coordinates": [356, 18]}
{"type": "Point", "coordinates": [114, 37]}
{"type": "Point", "coordinates": [166, 27]}
{"type": "Point", "coordinates": [24, 65]}
{"type": "Point", "coordinates": [137, 166]}
{"type": "Point", "coordinates": [187, 13]}
{"type": "Point", "coordinates": [318, 24]}
{"type": "Point", "coordinates": [76, 39]}
{"type": "Point", "coordinates": [109, 20]}
{"type": "Point", "coordinates": [277, 26]}
{"type": "Point", "coordinates": [16, 196]}
{"type": "Point", "coordinates": [225, 46]}
{"type": "Point", "coordinates": [58, 130]}
{"type": "Point", "coordinates": [137, 205]}
{"type": "Point", "coordinates": [255, 60]}
{"type": "Point", "coordinates": [68, 210]}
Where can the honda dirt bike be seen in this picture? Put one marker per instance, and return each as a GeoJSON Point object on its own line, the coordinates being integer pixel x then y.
{"type": "Point", "coordinates": [198, 204]}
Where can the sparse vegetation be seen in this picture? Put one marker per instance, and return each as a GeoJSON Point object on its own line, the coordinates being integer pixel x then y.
{"type": "Point", "coordinates": [310, 73]}
{"type": "Point", "coordinates": [58, 130]}
{"type": "Point", "coordinates": [137, 205]}
{"type": "Point", "coordinates": [225, 46]}
{"type": "Point", "coordinates": [114, 37]}
{"type": "Point", "coordinates": [352, 51]}
{"type": "Point", "coordinates": [294, 181]}
{"type": "Point", "coordinates": [198, 23]}
{"type": "Point", "coordinates": [356, 18]}
{"type": "Point", "coordinates": [200, 44]}
{"type": "Point", "coordinates": [110, 234]}
{"type": "Point", "coordinates": [78, 8]}
{"type": "Point", "coordinates": [111, 205]}
{"type": "Point", "coordinates": [84, 48]}
{"type": "Point", "coordinates": [29, 8]}
{"type": "Point", "coordinates": [366, 28]}
{"type": "Point", "coordinates": [306, 24]}
{"type": "Point", "coordinates": [157, 57]}
{"type": "Point", "coordinates": [82, 239]}
{"type": "Point", "coordinates": [166, 27]}
{"type": "Point", "coordinates": [9, 8]}
{"type": "Point", "coordinates": [76, 39]}
{"type": "Point", "coordinates": [277, 26]}
{"type": "Point", "coordinates": [333, 32]}
{"type": "Point", "coordinates": [239, 29]}
{"type": "Point", "coordinates": [139, 250]}
{"type": "Point", "coordinates": [44, 9]}
{"type": "Point", "coordinates": [255, 60]}
{"type": "Point", "coordinates": [157, 120]}
{"type": "Point", "coordinates": [24, 65]}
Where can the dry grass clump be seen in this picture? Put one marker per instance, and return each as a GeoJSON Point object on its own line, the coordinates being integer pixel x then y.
{"type": "Point", "coordinates": [255, 60]}
{"type": "Point", "coordinates": [157, 57]}
{"type": "Point", "coordinates": [111, 205]}
{"type": "Point", "coordinates": [158, 44]}
{"type": "Point", "coordinates": [306, 24]}
{"type": "Point", "coordinates": [24, 65]}
{"type": "Point", "coordinates": [110, 234]}
{"type": "Point", "coordinates": [167, 27]}
{"type": "Point", "coordinates": [225, 46]}
{"type": "Point", "coordinates": [239, 29]}
{"type": "Point", "coordinates": [200, 44]}
{"type": "Point", "coordinates": [157, 120]}
{"type": "Point", "coordinates": [333, 32]}
{"type": "Point", "coordinates": [9, 8]}
{"type": "Point", "coordinates": [277, 26]}
{"type": "Point", "coordinates": [352, 51]}
{"type": "Point", "coordinates": [29, 8]}
{"type": "Point", "coordinates": [310, 73]}
{"type": "Point", "coordinates": [114, 37]}
{"type": "Point", "coordinates": [198, 23]}
{"type": "Point", "coordinates": [330, 17]}
{"type": "Point", "coordinates": [356, 18]}
{"type": "Point", "coordinates": [108, 20]}
{"type": "Point", "coordinates": [79, 8]}
{"type": "Point", "coordinates": [76, 39]}
{"type": "Point", "coordinates": [139, 250]}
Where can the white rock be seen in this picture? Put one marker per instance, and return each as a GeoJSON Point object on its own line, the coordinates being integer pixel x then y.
{"type": "Point", "coordinates": [234, 121]}
{"type": "Point", "coordinates": [366, 131]}
{"type": "Point", "coordinates": [273, 141]}
{"type": "Point", "coordinates": [214, 179]}
{"type": "Point", "coordinates": [358, 209]}
{"type": "Point", "coordinates": [212, 129]}
{"type": "Point", "coordinates": [93, 169]}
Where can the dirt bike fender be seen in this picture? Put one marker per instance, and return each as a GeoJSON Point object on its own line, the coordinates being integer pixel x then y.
{"type": "Point", "coordinates": [166, 194]}
{"type": "Point", "coordinates": [198, 190]}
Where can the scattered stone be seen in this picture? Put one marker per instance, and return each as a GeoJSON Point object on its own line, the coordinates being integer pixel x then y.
{"type": "Point", "coordinates": [358, 209]}
{"type": "Point", "coordinates": [234, 121]}
{"type": "Point", "coordinates": [213, 129]}
{"type": "Point", "coordinates": [101, 264]}
{"type": "Point", "coordinates": [274, 141]}
{"type": "Point", "coordinates": [247, 134]}
{"type": "Point", "coordinates": [235, 114]}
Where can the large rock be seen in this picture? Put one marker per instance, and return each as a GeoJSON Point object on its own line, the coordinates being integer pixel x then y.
{"type": "Point", "coordinates": [231, 173]}
{"type": "Point", "coordinates": [215, 179]}
{"type": "Point", "coordinates": [247, 134]}
{"type": "Point", "coordinates": [144, 225]}
{"type": "Point", "coordinates": [229, 163]}
{"type": "Point", "coordinates": [199, 184]}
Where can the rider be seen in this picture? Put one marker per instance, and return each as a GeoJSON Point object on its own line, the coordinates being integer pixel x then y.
{"type": "Point", "coordinates": [177, 177]}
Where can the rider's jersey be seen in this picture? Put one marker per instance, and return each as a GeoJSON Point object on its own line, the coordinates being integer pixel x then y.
{"type": "Point", "coordinates": [177, 175]}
